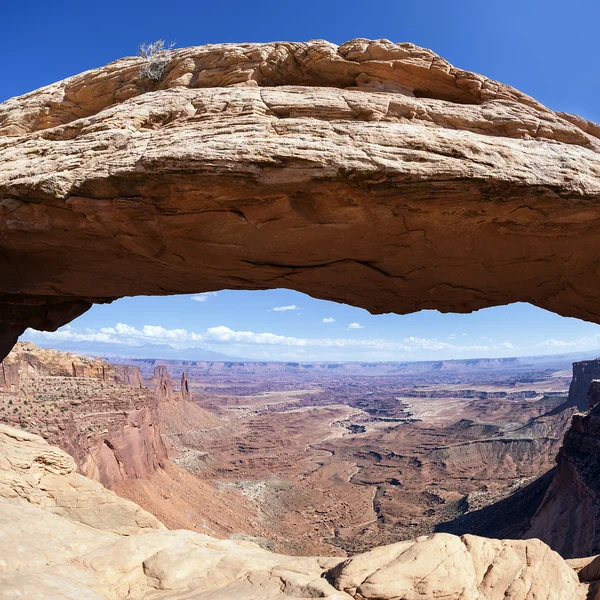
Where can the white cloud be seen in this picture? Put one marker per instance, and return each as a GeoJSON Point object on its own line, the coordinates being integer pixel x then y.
{"type": "Point", "coordinates": [451, 336]}
{"type": "Point", "coordinates": [583, 342]}
{"type": "Point", "coordinates": [286, 308]}
{"type": "Point", "coordinates": [125, 334]}
{"type": "Point", "coordinates": [328, 320]}
{"type": "Point", "coordinates": [204, 296]}
{"type": "Point", "coordinates": [267, 345]}
{"type": "Point", "coordinates": [356, 326]}
{"type": "Point", "coordinates": [225, 334]}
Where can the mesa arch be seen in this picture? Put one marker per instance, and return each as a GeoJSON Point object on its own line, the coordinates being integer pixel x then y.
{"type": "Point", "coordinates": [372, 173]}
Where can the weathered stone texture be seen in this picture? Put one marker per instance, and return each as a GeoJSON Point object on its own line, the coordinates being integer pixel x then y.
{"type": "Point", "coordinates": [371, 173]}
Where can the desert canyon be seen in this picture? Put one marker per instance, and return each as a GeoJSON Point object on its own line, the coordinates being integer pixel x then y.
{"type": "Point", "coordinates": [371, 173]}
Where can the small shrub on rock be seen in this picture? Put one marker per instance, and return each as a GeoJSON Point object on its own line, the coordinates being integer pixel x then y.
{"type": "Point", "coordinates": [155, 59]}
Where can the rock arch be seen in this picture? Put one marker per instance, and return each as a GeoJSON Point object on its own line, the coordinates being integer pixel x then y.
{"type": "Point", "coordinates": [372, 173]}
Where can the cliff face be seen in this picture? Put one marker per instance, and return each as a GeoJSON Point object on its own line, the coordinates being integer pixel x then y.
{"type": "Point", "coordinates": [30, 361]}
{"type": "Point", "coordinates": [113, 427]}
{"type": "Point", "coordinates": [370, 173]}
{"type": "Point", "coordinates": [584, 372]}
{"type": "Point", "coordinates": [76, 539]}
{"type": "Point", "coordinates": [134, 448]}
{"type": "Point", "coordinates": [568, 518]}
{"type": "Point", "coordinates": [98, 412]}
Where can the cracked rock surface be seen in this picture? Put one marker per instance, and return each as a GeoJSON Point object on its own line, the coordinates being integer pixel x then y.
{"type": "Point", "coordinates": [67, 538]}
{"type": "Point", "coordinates": [370, 173]}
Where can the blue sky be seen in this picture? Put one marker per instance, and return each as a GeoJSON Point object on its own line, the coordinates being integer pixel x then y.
{"type": "Point", "coordinates": [547, 49]}
{"type": "Point", "coordinates": [287, 325]}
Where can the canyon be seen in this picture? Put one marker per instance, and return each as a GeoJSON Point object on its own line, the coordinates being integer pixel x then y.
{"type": "Point", "coordinates": [68, 538]}
{"type": "Point", "coordinates": [109, 422]}
{"type": "Point", "coordinates": [310, 464]}
{"type": "Point", "coordinates": [305, 458]}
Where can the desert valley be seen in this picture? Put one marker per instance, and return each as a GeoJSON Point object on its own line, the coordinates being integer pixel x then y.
{"type": "Point", "coordinates": [307, 458]}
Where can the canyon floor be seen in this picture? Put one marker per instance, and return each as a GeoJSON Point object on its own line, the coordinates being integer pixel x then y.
{"type": "Point", "coordinates": [317, 484]}
{"type": "Point", "coordinates": [66, 537]}
{"type": "Point", "coordinates": [341, 464]}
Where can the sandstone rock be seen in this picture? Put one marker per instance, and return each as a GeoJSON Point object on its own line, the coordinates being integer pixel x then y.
{"type": "Point", "coordinates": [162, 384]}
{"type": "Point", "coordinates": [28, 359]}
{"type": "Point", "coordinates": [39, 537]}
{"type": "Point", "coordinates": [44, 476]}
{"type": "Point", "coordinates": [98, 412]}
{"type": "Point", "coordinates": [128, 375]}
{"type": "Point", "coordinates": [130, 450]}
{"type": "Point", "coordinates": [449, 567]}
{"type": "Point", "coordinates": [584, 372]}
{"type": "Point", "coordinates": [370, 173]}
{"type": "Point", "coordinates": [185, 392]}
{"type": "Point", "coordinates": [113, 428]}
{"type": "Point", "coordinates": [567, 519]}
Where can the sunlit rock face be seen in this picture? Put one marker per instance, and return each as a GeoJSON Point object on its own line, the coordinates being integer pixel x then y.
{"type": "Point", "coordinates": [100, 413]}
{"type": "Point", "coordinates": [371, 173]}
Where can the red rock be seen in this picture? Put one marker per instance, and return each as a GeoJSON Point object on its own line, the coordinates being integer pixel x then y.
{"type": "Point", "coordinates": [372, 173]}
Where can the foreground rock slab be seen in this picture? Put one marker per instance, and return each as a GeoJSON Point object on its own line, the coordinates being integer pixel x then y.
{"type": "Point", "coordinates": [371, 173]}
{"type": "Point", "coordinates": [89, 544]}
{"type": "Point", "coordinates": [44, 476]}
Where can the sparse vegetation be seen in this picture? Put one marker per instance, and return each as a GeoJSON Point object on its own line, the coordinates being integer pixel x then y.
{"type": "Point", "coordinates": [155, 59]}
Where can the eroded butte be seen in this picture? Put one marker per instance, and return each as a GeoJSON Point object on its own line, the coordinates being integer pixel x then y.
{"type": "Point", "coordinates": [370, 173]}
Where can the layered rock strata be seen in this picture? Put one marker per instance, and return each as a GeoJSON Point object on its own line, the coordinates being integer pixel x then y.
{"type": "Point", "coordinates": [64, 538]}
{"type": "Point", "coordinates": [584, 373]}
{"type": "Point", "coordinates": [113, 427]}
{"type": "Point", "coordinates": [371, 173]}
{"type": "Point", "coordinates": [568, 519]}
{"type": "Point", "coordinates": [100, 413]}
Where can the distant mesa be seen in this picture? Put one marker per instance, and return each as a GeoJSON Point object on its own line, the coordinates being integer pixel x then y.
{"type": "Point", "coordinates": [110, 350]}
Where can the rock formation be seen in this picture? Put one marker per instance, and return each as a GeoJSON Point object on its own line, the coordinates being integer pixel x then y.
{"type": "Point", "coordinates": [96, 411]}
{"type": "Point", "coordinates": [128, 375]}
{"type": "Point", "coordinates": [568, 519]}
{"type": "Point", "coordinates": [114, 430]}
{"type": "Point", "coordinates": [593, 395]}
{"type": "Point", "coordinates": [44, 476]}
{"type": "Point", "coordinates": [584, 372]}
{"type": "Point", "coordinates": [65, 537]}
{"type": "Point", "coordinates": [371, 173]}
{"type": "Point", "coordinates": [162, 383]}
{"type": "Point", "coordinates": [30, 360]}
{"type": "Point", "coordinates": [185, 392]}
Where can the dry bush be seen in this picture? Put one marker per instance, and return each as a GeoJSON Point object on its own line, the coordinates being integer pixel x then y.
{"type": "Point", "coordinates": [155, 59]}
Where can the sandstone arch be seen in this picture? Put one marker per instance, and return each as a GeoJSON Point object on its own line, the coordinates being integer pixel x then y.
{"type": "Point", "coordinates": [371, 173]}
